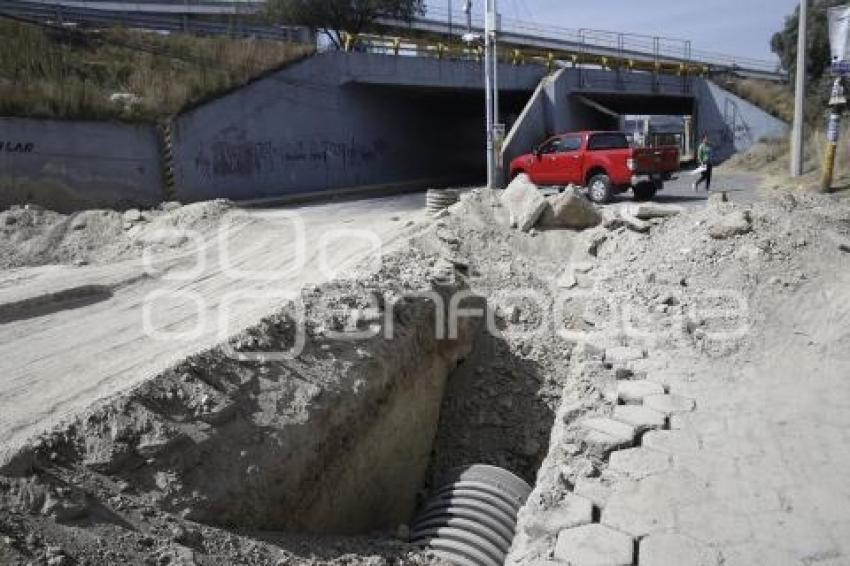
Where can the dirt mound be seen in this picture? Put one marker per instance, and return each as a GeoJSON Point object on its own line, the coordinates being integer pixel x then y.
{"type": "Point", "coordinates": [32, 236]}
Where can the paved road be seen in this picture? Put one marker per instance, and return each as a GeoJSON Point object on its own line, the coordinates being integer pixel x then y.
{"type": "Point", "coordinates": [741, 187]}
{"type": "Point", "coordinates": [56, 363]}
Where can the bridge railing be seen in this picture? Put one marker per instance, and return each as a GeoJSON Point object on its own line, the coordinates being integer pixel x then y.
{"type": "Point", "coordinates": [647, 46]}
{"type": "Point", "coordinates": [514, 54]}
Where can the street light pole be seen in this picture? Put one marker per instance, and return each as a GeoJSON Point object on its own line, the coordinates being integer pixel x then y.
{"type": "Point", "coordinates": [799, 107]}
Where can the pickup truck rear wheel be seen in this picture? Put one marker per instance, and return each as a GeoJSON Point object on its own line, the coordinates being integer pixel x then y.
{"type": "Point", "coordinates": [645, 190]}
{"type": "Point", "coordinates": [599, 189]}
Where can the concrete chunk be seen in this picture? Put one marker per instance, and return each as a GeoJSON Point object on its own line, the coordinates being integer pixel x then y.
{"type": "Point", "coordinates": [594, 545]}
{"type": "Point", "coordinates": [634, 392]}
{"type": "Point", "coordinates": [642, 418]}
{"type": "Point", "coordinates": [571, 209]}
{"type": "Point", "coordinates": [524, 202]}
{"type": "Point", "coordinates": [734, 224]}
{"type": "Point", "coordinates": [648, 211]}
{"type": "Point", "coordinates": [669, 549]}
{"type": "Point", "coordinates": [669, 404]}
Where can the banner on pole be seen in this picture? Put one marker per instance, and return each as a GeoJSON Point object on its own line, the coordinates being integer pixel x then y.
{"type": "Point", "coordinates": [839, 39]}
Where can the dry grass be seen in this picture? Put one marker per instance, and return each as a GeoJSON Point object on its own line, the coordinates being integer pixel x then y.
{"type": "Point", "coordinates": [772, 158]}
{"type": "Point", "coordinates": [52, 73]}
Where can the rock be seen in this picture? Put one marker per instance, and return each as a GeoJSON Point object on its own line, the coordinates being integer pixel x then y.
{"type": "Point", "coordinates": [594, 545]}
{"type": "Point", "coordinates": [170, 205]}
{"type": "Point", "coordinates": [64, 511]}
{"type": "Point", "coordinates": [524, 202]}
{"type": "Point", "coordinates": [10, 220]}
{"type": "Point", "coordinates": [622, 355]}
{"type": "Point", "coordinates": [634, 392]}
{"type": "Point", "coordinates": [611, 220]}
{"type": "Point", "coordinates": [79, 222]}
{"type": "Point", "coordinates": [186, 536]}
{"type": "Point", "coordinates": [636, 224]}
{"type": "Point", "coordinates": [595, 242]}
{"type": "Point", "coordinates": [133, 215]}
{"type": "Point", "coordinates": [649, 211]}
{"type": "Point", "coordinates": [844, 247]}
{"type": "Point", "coordinates": [717, 199]}
{"type": "Point", "coordinates": [571, 209]}
{"type": "Point", "coordinates": [733, 224]}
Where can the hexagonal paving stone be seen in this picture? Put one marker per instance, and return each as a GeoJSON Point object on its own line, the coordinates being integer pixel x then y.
{"type": "Point", "coordinates": [675, 550]}
{"type": "Point", "coordinates": [669, 404]}
{"type": "Point", "coordinates": [638, 463]}
{"type": "Point", "coordinates": [604, 435]}
{"type": "Point", "coordinates": [572, 511]}
{"type": "Point", "coordinates": [594, 489]}
{"type": "Point", "coordinates": [634, 392]}
{"type": "Point", "coordinates": [671, 441]}
{"type": "Point", "coordinates": [641, 418]}
{"type": "Point", "coordinates": [647, 506]}
{"type": "Point", "coordinates": [594, 545]}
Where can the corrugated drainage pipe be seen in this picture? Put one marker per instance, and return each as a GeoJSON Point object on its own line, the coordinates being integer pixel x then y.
{"type": "Point", "coordinates": [470, 520]}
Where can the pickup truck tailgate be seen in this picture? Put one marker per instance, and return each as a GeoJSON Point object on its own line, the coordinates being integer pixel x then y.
{"type": "Point", "coordinates": [652, 160]}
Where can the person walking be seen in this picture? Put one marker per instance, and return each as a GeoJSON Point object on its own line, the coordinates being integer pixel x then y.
{"type": "Point", "coordinates": [704, 157]}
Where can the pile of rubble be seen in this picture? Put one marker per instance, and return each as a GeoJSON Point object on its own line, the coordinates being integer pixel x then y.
{"type": "Point", "coordinates": [32, 236]}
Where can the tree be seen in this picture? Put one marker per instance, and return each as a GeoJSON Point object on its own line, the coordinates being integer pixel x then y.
{"type": "Point", "coordinates": [335, 17]}
{"type": "Point", "coordinates": [784, 43]}
{"type": "Point", "coordinates": [818, 60]}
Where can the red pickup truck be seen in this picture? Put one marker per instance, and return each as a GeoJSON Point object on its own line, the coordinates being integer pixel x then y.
{"type": "Point", "coordinates": [604, 162]}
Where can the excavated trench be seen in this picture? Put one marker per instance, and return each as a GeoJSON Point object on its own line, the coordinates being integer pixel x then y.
{"type": "Point", "coordinates": [352, 436]}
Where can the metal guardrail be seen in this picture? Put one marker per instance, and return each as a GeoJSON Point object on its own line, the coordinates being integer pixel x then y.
{"type": "Point", "coordinates": [235, 18]}
{"type": "Point", "coordinates": [139, 15]}
{"type": "Point", "coordinates": [515, 55]}
{"type": "Point", "coordinates": [663, 47]}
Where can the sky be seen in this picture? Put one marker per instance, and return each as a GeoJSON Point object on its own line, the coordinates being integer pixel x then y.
{"type": "Point", "coordinates": [735, 27]}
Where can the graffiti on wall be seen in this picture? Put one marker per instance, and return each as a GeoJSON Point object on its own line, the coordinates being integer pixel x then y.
{"type": "Point", "coordinates": [16, 147]}
{"type": "Point", "coordinates": [245, 158]}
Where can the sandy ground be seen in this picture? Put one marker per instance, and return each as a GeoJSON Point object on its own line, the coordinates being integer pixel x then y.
{"type": "Point", "coordinates": [131, 320]}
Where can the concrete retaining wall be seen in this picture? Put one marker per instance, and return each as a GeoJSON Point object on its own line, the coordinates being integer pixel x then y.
{"type": "Point", "coordinates": [340, 120]}
{"type": "Point", "coordinates": [67, 166]}
{"type": "Point", "coordinates": [732, 123]}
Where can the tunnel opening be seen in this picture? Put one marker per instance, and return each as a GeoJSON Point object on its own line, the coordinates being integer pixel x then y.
{"type": "Point", "coordinates": [649, 119]}
{"type": "Point", "coordinates": [437, 135]}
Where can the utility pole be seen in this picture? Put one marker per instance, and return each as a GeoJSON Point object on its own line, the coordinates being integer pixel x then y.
{"type": "Point", "coordinates": [491, 86]}
{"type": "Point", "coordinates": [797, 133]}
{"type": "Point", "coordinates": [837, 103]}
{"type": "Point", "coordinates": [451, 22]}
